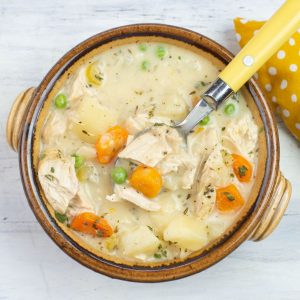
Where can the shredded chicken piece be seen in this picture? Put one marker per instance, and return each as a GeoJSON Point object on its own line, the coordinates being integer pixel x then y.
{"type": "Point", "coordinates": [215, 173]}
{"type": "Point", "coordinates": [136, 124]}
{"type": "Point", "coordinates": [80, 88]}
{"type": "Point", "coordinates": [200, 145]}
{"type": "Point", "coordinates": [241, 135]}
{"type": "Point", "coordinates": [82, 202]}
{"type": "Point", "coordinates": [58, 179]}
{"type": "Point", "coordinates": [55, 127]}
{"type": "Point", "coordinates": [151, 147]}
{"type": "Point", "coordinates": [122, 192]}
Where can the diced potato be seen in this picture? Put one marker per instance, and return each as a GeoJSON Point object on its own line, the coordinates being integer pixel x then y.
{"type": "Point", "coordinates": [172, 107]}
{"type": "Point", "coordinates": [216, 226]}
{"type": "Point", "coordinates": [139, 241]}
{"type": "Point", "coordinates": [187, 232]}
{"type": "Point", "coordinates": [161, 220]}
{"type": "Point", "coordinates": [93, 119]}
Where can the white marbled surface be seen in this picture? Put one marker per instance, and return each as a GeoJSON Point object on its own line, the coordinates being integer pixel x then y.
{"type": "Point", "coordinates": [33, 36]}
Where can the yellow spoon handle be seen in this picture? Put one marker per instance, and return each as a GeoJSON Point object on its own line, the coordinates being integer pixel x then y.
{"type": "Point", "coordinates": [263, 45]}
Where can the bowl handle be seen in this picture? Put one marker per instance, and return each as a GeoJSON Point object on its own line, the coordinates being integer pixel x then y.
{"type": "Point", "coordinates": [16, 118]}
{"type": "Point", "coordinates": [278, 204]}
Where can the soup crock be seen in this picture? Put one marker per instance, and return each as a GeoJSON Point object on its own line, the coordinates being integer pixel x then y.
{"type": "Point", "coordinates": [268, 200]}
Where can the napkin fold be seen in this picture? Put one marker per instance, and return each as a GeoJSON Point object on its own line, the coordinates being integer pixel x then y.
{"type": "Point", "coordinates": [279, 76]}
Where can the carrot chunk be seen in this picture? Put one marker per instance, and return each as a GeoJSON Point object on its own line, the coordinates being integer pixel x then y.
{"type": "Point", "coordinates": [242, 168]}
{"type": "Point", "coordinates": [229, 199]}
{"type": "Point", "coordinates": [111, 143]}
{"type": "Point", "coordinates": [146, 180]}
{"type": "Point", "coordinates": [90, 223]}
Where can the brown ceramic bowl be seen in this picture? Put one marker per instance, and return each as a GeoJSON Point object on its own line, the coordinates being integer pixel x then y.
{"type": "Point", "coordinates": [267, 203]}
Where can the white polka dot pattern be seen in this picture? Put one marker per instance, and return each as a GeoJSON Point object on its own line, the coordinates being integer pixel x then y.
{"type": "Point", "coordinates": [292, 42]}
{"type": "Point", "coordinates": [280, 76]}
{"type": "Point", "coordinates": [272, 71]}
{"type": "Point", "coordinates": [283, 84]}
{"type": "Point", "coordinates": [281, 54]}
{"type": "Point", "coordinates": [268, 87]}
{"type": "Point", "coordinates": [286, 113]}
{"type": "Point", "coordinates": [293, 68]}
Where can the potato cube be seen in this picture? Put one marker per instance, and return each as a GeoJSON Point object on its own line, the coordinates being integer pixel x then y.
{"type": "Point", "coordinates": [187, 232]}
{"type": "Point", "coordinates": [93, 119]}
{"type": "Point", "coordinates": [139, 241]}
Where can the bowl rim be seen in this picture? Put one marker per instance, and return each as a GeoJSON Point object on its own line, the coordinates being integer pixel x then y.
{"type": "Point", "coordinates": [138, 273]}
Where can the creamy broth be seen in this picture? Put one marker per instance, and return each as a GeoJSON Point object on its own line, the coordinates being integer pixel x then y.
{"type": "Point", "coordinates": [204, 183]}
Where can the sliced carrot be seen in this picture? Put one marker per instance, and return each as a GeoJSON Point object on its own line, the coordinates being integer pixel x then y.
{"type": "Point", "coordinates": [242, 168]}
{"type": "Point", "coordinates": [146, 180]}
{"type": "Point", "coordinates": [90, 223]}
{"type": "Point", "coordinates": [111, 143]}
{"type": "Point", "coordinates": [229, 199]}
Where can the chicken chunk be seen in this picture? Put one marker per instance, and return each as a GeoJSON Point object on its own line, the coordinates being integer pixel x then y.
{"type": "Point", "coordinates": [148, 149]}
{"type": "Point", "coordinates": [122, 192]}
{"type": "Point", "coordinates": [241, 136]}
{"type": "Point", "coordinates": [82, 202]}
{"type": "Point", "coordinates": [215, 173]}
{"type": "Point", "coordinates": [54, 128]}
{"type": "Point", "coordinates": [153, 146]}
{"type": "Point", "coordinates": [58, 179]}
{"type": "Point", "coordinates": [80, 87]}
{"type": "Point", "coordinates": [200, 145]}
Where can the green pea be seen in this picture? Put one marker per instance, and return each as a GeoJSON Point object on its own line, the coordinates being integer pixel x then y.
{"type": "Point", "coordinates": [60, 101]}
{"type": "Point", "coordinates": [145, 65]}
{"type": "Point", "coordinates": [119, 175]}
{"type": "Point", "coordinates": [229, 109]}
{"type": "Point", "coordinates": [79, 161]}
{"type": "Point", "coordinates": [160, 52]}
{"type": "Point", "coordinates": [204, 121]}
{"type": "Point", "coordinates": [143, 47]}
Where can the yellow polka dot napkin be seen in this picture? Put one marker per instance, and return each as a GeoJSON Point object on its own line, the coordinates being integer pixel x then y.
{"type": "Point", "coordinates": [280, 76]}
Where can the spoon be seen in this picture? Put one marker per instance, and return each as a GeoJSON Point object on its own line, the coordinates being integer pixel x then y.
{"type": "Point", "coordinates": [258, 50]}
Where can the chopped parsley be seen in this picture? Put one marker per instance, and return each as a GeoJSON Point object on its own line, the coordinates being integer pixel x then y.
{"type": "Point", "coordinates": [229, 196]}
{"type": "Point", "coordinates": [201, 83]}
{"type": "Point", "coordinates": [242, 170]}
{"type": "Point", "coordinates": [49, 177]}
{"type": "Point", "coordinates": [98, 77]}
{"type": "Point", "coordinates": [160, 253]}
{"type": "Point", "coordinates": [150, 228]}
{"type": "Point", "coordinates": [85, 132]}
